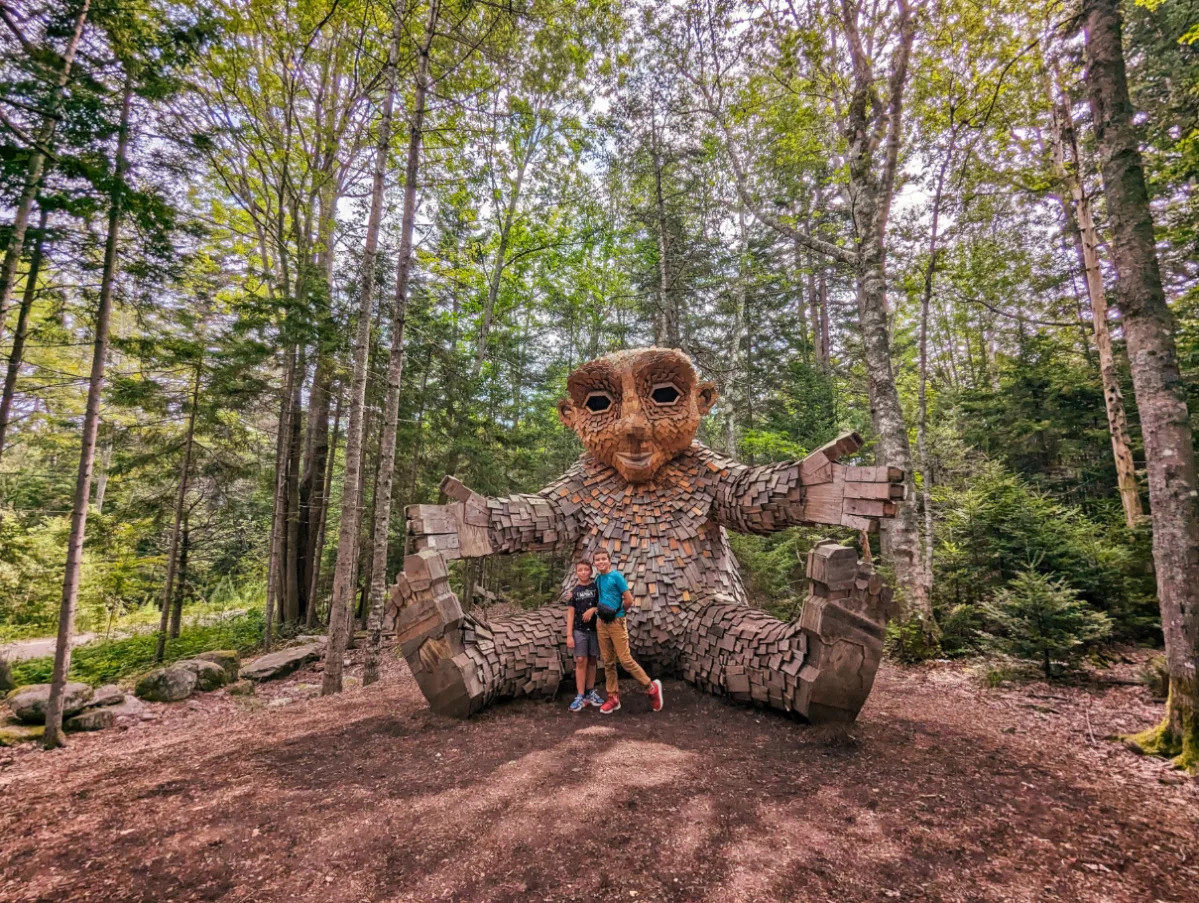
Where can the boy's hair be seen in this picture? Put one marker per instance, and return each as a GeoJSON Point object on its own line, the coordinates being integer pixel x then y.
{"type": "Point", "coordinates": [603, 552]}
{"type": "Point", "coordinates": [586, 561]}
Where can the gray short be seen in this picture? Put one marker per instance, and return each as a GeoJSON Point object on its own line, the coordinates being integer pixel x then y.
{"type": "Point", "coordinates": [586, 644]}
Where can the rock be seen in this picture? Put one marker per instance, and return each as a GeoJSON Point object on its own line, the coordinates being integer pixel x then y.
{"type": "Point", "coordinates": [29, 703]}
{"type": "Point", "coordinates": [241, 688]}
{"type": "Point", "coordinates": [226, 658]}
{"type": "Point", "coordinates": [167, 684]}
{"type": "Point", "coordinates": [131, 710]}
{"type": "Point", "coordinates": [280, 701]}
{"type": "Point", "coordinates": [281, 663]}
{"type": "Point", "coordinates": [109, 694]}
{"type": "Point", "coordinates": [12, 734]}
{"type": "Point", "coordinates": [209, 675]}
{"type": "Point", "coordinates": [303, 691]}
{"type": "Point", "coordinates": [91, 720]}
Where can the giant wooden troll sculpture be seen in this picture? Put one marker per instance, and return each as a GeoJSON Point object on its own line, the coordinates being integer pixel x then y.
{"type": "Point", "coordinates": [660, 503]}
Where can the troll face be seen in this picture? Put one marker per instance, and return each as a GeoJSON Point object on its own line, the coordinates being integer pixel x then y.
{"type": "Point", "coordinates": [636, 410]}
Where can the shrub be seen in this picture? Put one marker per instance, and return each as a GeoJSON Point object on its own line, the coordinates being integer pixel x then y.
{"type": "Point", "coordinates": [1040, 618]}
{"type": "Point", "coordinates": [112, 660]}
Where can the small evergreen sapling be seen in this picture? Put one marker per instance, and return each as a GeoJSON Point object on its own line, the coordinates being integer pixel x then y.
{"type": "Point", "coordinates": [1041, 618]}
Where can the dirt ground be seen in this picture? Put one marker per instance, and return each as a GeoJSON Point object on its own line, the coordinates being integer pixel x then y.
{"type": "Point", "coordinates": [942, 791]}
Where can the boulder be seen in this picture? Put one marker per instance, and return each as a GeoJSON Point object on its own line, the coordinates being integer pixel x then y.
{"type": "Point", "coordinates": [281, 663]}
{"type": "Point", "coordinates": [131, 710]}
{"type": "Point", "coordinates": [91, 720]}
{"type": "Point", "coordinates": [209, 675]}
{"type": "Point", "coordinates": [226, 658]}
{"type": "Point", "coordinates": [109, 694]}
{"type": "Point", "coordinates": [241, 688]}
{"type": "Point", "coordinates": [12, 734]}
{"type": "Point", "coordinates": [29, 703]}
{"type": "Point", "coordinates": [167, 684]}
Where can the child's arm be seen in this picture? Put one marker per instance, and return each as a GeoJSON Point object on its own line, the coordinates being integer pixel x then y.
{"type": "Point", "coordinates": [570, 627]}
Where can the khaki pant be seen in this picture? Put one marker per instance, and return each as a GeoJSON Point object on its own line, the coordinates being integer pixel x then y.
{"type": "Point", "coordinates": [614, 647]}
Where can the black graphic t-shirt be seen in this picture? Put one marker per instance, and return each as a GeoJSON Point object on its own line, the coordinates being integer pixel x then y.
{"type": "Point", "coordinates": [583, 597]}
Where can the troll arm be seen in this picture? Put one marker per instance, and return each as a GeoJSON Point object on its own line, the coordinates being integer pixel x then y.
{"type": "Point", "coordinates": [474, 526]}
{"type": "Point", "coordinates": [816, 490]}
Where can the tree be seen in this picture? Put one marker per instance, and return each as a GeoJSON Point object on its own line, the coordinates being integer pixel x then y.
{"type": "Point", "coordinates": [1149, 330]}
{"type": "Point", "coordinates": [1042, 618]}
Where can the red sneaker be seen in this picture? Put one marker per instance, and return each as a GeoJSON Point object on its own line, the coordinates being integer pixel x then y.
{"type": "Point", "coordinates": [655, 695]}
{"type": "Point", "coordinates": [612, 705]}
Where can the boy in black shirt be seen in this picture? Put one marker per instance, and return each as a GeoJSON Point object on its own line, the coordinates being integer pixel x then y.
{"type": "Point", "coordinates": [581, 637]}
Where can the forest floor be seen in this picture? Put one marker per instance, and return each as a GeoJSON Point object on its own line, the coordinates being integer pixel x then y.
{"type": "Point", "coordinates": [943, 790]}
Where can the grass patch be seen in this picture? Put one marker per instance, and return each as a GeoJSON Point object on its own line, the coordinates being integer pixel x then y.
{"type": "Point", "coordinates": [110, 661]}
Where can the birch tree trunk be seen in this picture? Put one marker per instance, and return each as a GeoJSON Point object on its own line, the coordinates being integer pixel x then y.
{"type": "Point", "coordinates": [351, 504]}
{"type": "Point", "coordinates": [180, 502]}
{"type": "Point", "coordinates": [1165, 422]}
{"type": "Point", "coordinates": [1080, 221]}
{"type": "Point", "coordinates": [395, 367]}
{"type": "Point", "coordinates": [17, 353]}
{"type": "Point", "coordinates": [35, 169]}
{"type": "Point", "coordinates": [91, 425]}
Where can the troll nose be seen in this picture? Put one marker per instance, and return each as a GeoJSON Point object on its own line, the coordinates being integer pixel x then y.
{"type": "Point", "coordinates": [633, 420]}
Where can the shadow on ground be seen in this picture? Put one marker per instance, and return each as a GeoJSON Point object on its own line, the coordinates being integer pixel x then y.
{"type": "Point", "coordinates": [369, 796]}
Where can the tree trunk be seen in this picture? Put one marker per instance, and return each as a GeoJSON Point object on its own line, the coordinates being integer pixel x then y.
{"type": "Point", "coordinates": [181, 583]}
{"type": "Point", "coordinates": [313, 495]}
{"type": "Point", "coordinates": [395, 368]}
{"type": "Point", "coordinates": [351, 512]}
{"type": "Point", "coordinates": [1080, 222]}
{"type": "Point", "coordinates": [34, 171]}
{"type": "Point", "coordinates": [180, 503]}
{"type": "Point", "coordinates": [274, 578]}
{"type": "Point", "coordinates": [870, 199]}
{"type": "Point", "coordinates": [1149, 333]}
{"type": "Point", "coordinates": [318, 552]}
{"type": "Point", "coordinates": [17, 353]}
{"type": "Point", "coordinates": [291, 557]}
{"type": "Point", "coordinates": [91, 425]}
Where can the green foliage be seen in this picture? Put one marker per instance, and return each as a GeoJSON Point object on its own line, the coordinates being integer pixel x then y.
{"type": "Point", "coordinates": [1041, 618]}
{"type": "Point", "coordinates": [994, 522]}
{"type": "Point", "coordinates": [113, 660]}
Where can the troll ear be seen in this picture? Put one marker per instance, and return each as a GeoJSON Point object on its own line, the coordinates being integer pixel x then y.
{"type": "Point", "coordinates": [566, 413]}
{"type": "Point", "coordinates": [705, 397]}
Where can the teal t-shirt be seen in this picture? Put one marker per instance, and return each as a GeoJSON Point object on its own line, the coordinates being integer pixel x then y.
{"type": "Point", "coordinates": [612, 588]}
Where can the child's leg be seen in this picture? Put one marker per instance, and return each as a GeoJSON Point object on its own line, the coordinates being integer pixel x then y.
{"type": "Point", "coordinates": [618, 632]}
{"type": "Point", "coordinates": [591, 673]}
{"type": "Point", "coordinates": [581, 671]}
{"type": "Point", "coordinates": [608, 653]}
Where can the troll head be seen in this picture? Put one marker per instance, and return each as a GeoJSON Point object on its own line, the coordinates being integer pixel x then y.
{"type": "Point", "coordinates": [636, 410]}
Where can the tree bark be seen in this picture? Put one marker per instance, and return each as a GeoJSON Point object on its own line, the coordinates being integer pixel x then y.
{"type": "Point", "coordinates": [35, 169]}
{"type": "Point", "coordinates": [1149, 333]}
{"type": "Point", "coordinates": [17, 353]}
{"type": "Point", "coordinates": [870, 199]}
{"type": "Point", "coordinates": [91, 425]}
{"type": "Point", "coordinates": [395, 368]}
{"type": "Point", "coordinates": [180, 503]}
{"type": "Point", "coordinates": [291, 557]}
{"type": "Point", "coordinates": [181, 583]}
{"type": "Point", "coordinates": [1080, 222]}
{"type": "Point", "coordinates": [318, 552]}
{"type": "Point", "coordinates": [351, 505]}
{"type": "Point", "coordinates": [274, 578]}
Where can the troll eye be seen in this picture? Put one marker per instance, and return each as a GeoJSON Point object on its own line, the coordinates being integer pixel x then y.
{"type": "Point", "coordinates": [598, 402]}
{"type": "Point", "coordinates": [666, 393]}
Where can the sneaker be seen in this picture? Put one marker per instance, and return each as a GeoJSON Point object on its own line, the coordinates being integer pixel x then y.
{"type": "Point", "coordinates": [579, 704]}
{"type": "Point", "coordinates": [655, 695]}
{"type": "Point", "coordinates": [612, 705]}
{"type": "Point", "coordinates": [594, 698]}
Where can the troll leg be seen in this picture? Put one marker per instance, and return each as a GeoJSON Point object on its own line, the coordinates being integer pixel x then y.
{"type": "Point", "coordinates": [820, 666]}
{"type": "Point", "coordinates": [462, 664]}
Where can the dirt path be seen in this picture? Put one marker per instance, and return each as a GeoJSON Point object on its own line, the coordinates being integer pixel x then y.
{"type": "Point", "coordinates": [943, 791]}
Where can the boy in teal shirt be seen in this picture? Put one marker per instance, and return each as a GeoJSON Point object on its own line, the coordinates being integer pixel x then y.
{"type": "Point", "coordinates": [614, 594]}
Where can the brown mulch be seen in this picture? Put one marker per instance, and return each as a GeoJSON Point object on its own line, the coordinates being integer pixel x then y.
{"type": "Point", "coordinates": [943, 790]}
